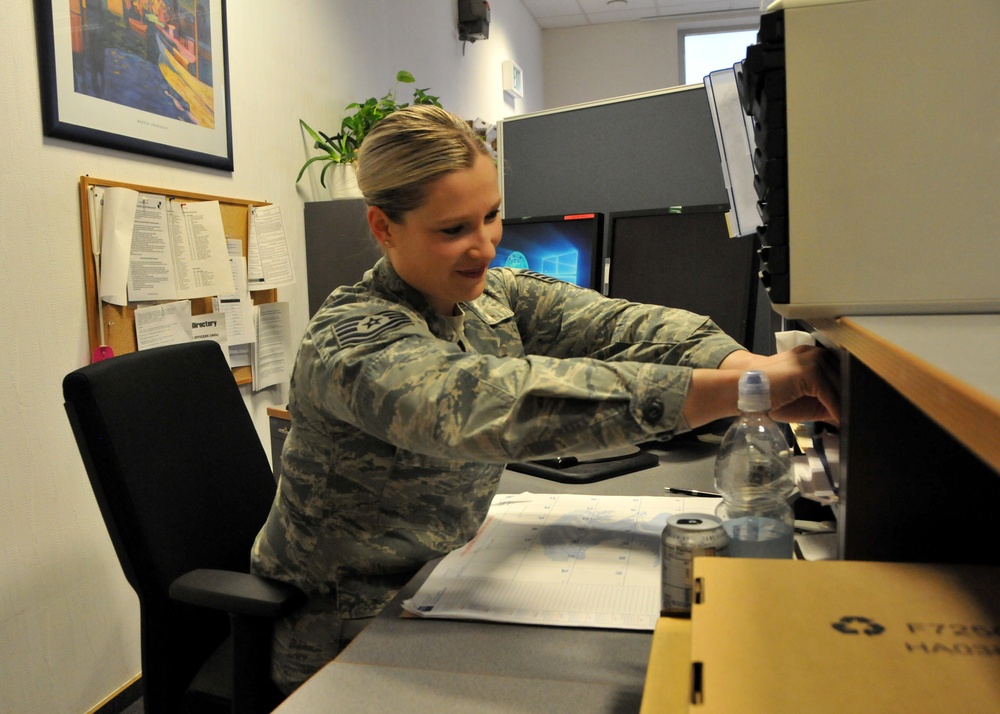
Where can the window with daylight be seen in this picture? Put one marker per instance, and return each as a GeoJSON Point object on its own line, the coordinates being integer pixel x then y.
{"type": "Point", "coordinates": [705, 52]}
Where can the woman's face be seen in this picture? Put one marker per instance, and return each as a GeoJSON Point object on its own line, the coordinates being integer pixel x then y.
{"type": "Point", "coordinates": [442, 248]}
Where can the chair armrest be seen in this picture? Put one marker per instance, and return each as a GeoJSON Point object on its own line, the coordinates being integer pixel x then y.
{"type": "Point", "coordinates": [237, 593]}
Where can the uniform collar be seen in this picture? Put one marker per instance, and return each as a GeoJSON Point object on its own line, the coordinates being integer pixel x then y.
{"type": "Point", "coordinates": [387, 281]}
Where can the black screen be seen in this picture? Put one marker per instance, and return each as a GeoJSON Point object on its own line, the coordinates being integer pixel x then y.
{"type": "Point", "coordinates": [563, 247]}
{"type": "Point", "coordinates": [683, 257]}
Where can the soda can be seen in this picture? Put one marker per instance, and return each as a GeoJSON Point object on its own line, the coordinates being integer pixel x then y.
{"type": "Point", "coordinates": [686, 536]}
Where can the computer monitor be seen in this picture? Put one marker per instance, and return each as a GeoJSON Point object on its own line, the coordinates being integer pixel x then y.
{"type": "Point", "coordinates": [683, 257]}
{"type": "Point", "coordinates": [567, 247]}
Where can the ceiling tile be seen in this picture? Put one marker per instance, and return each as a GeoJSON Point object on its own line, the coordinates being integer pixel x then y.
{"type": "Point", "coordinates": [554, 23]}
{"type": "Point", "coordinates": [572, 13]}
{"type": "Point", "coordinates": [595, 6]}
{"type": "Point", "coordinates": [552, 8]}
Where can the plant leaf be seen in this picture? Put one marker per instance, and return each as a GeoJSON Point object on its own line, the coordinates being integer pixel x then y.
{"type": "Point", "coordinates": [307, 163]}
{"type": "Point", "coordinates": [322, 175]}
{"type": "Point", "coordinates": [420, 96]}
{"type": "Point", "coordinates": [342, 148]}
{"type": "Point", "coordinates": [316, 137]}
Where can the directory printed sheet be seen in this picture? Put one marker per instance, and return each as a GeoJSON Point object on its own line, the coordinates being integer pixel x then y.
{"type": "Point", "coordinates": [558, 559]}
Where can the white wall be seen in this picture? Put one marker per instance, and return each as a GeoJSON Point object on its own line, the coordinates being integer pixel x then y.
{"type": "Point", "coordinates": [68, 620]}
{"type": "Point", "coordinates": [595, 62]}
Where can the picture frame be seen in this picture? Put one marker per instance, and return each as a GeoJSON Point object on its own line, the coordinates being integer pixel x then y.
{"type": "Point", "coordinates": [513, 79]}
{"type": "Point", "coordinates": [130, 75]}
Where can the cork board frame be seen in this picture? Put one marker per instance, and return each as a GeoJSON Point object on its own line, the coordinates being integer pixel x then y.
{"type": "Point", "coordinates": [119, 321]}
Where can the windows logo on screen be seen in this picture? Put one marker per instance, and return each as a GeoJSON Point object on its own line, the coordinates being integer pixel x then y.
{"type": "Point", "coordinates": [562, 266]}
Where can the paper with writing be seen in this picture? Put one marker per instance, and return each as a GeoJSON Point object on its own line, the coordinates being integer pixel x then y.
{"type": "Point", "coordinates": [558, 559]}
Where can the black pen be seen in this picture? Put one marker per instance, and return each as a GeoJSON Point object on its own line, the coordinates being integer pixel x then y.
{"type": "Point", "coordinates": [692, 492]}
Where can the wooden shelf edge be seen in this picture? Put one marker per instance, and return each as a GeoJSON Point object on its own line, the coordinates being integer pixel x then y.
{"type": "Point", "coordinates": [963, 411]}
{"type": "Point", "coordinates": [278, 412]}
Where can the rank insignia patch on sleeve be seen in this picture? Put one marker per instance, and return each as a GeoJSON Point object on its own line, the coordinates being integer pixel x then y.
{"type": "Point", "coordinates": [540, 276]}
{"type": "Point", "coordinates": [357, 330]}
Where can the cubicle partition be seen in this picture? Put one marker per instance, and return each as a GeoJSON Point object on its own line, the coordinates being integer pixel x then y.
{"type": "Point", "coordinates": [339, 246]}
{"type": "Point", "coordinates": [630, 153]}
{"type": "Point", "coordinates": [639, 153]}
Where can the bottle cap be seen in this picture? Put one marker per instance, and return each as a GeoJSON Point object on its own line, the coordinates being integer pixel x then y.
{"type": "Point", "coordinates": [755, 392]}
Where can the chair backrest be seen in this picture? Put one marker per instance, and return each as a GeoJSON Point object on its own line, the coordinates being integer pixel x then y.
{"type": "Point", "coordinates": [182, 481]}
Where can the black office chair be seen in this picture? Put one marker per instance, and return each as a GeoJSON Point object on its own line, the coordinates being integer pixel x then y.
{"type": "Point", "coordinates": [184, 486]}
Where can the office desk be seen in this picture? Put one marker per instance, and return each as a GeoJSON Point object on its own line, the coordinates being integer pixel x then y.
{"type": "Point", "coordinates": [920, 446]}
{"type": "Point", "coordinates": [920, 463]}
{"type": "Point", "coordinates": [440, 666]}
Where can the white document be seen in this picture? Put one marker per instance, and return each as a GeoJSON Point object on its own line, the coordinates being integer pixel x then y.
{"type": "Point", "coordinates": [211, 327]}
{"type": "Point", "coordinates": [255, 271]}
{"type": "Point", "coordinates": [268, 249]}
{"type": "Point", "coordinates": [558, 559]}
{"type": "Point", "coordinates": [95, 202]}
{"type": "Point", "coordinates": [172, 323]}
{"type": "Point", "coordinates": [201, 254]}
{"type": "Point", "coordinates": [167, 324]}
{"type": "Point", "coordinates": [239, 355]}
{"type": "Point", "coordinates": [818, 546]}
{"type": "Point", "coordinates": [161, 249]}
{"type": "Point", "coordinates": [117, 217]}
{"type": "Point", "coordinates": [270, 361]}
{"type": "Point", "coordinates": [151, 263]}
{"type": "Point", "coordinates": [234, 247]}
{"type": "Point", "coordinates": [237, 306]}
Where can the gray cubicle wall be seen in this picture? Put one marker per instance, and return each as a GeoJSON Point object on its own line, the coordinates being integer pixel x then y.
{"type": "Point", "coordinates": [637, 152]}
{"type": "Point", "coordinates": [339, 246]}
{"type": "Point", "coordinates": [632, 153]}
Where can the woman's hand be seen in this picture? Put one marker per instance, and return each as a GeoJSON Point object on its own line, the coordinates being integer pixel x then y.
{"type": "Point", "coordinates": [805, 382]}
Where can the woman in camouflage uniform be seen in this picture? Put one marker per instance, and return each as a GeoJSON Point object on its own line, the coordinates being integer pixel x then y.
{"type": "Point", "coordinates": [413, 388]}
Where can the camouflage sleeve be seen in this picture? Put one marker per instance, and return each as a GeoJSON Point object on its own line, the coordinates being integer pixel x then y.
{"type": "Point", "coordinates": [562, 320]}
{"type": "Point", "coordinates": [383, 371]}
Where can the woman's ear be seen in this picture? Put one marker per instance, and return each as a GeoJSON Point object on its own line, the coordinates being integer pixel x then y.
{"type": "Point", "coordinates": [380, 225]}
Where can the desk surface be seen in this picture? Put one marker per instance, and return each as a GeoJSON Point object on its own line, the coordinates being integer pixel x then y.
{"type": "Point", "coordinates": [441, 666]}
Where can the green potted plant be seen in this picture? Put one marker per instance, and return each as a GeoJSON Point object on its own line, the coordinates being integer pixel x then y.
{"type": "Point", "coordinates": [342, 147]}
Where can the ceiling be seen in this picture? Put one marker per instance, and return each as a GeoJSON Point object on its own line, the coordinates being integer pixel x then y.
{"type": "Point", "coordinates": [551, 14]}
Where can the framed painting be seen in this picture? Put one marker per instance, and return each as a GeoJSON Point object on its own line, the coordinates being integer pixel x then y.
{"type": "Point", "coordinates": [146, 76]}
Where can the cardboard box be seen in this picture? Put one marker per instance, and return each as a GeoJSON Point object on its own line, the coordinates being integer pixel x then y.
{"type": "Point", "coordinates": [668, 674]}
{"type": "Point", "coordinates": [776, 636]}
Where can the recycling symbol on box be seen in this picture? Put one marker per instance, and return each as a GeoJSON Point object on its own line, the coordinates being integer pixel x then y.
{"type": "Point", "coordinates": [857, 625]}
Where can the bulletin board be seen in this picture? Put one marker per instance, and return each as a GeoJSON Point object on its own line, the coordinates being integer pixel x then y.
{"type": "Point", "coordinates": [119, 320]}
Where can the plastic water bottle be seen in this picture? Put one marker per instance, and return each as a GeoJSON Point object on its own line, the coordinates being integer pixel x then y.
{"type": "Point", "coordinates": [753, 472]}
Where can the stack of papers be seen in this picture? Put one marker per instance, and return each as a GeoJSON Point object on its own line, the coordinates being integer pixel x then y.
{"type": "Point", "coordinates": [817, 474]}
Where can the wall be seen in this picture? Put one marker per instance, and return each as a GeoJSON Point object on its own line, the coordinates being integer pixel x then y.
{"type": "Point", "coordinates": [595, 62]}
{"type": "Point", "coordinates": [68, 620]}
